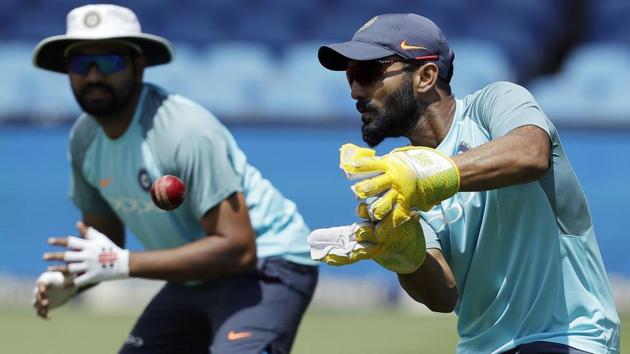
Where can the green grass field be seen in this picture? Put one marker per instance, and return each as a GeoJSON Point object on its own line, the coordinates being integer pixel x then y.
{"type": "Point", "coordinates": [74, 332]}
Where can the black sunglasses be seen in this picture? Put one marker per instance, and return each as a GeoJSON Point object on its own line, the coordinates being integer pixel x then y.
{"type": "Point", "coordinates": [367, 72]}
{"type": "Point", "coordinates": [105, 63]}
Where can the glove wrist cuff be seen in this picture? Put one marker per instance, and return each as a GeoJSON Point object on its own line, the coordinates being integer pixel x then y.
{"type": "Point", "coordinates": [456, 178]}
{"type": "Point", "coordinates": [123, 269]}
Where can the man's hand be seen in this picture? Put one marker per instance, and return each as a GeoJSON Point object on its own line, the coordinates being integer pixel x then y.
{"type": "Point", "coordinates": [93, 258]}
{"type": "Point", "coordinates": [339, 245]}
{"type": "Point", "coordinates": [52, 289]}
{"type": "Point", "coordinates": [405, 179]}
{"type": "Point", "coordinates": [400, 249]}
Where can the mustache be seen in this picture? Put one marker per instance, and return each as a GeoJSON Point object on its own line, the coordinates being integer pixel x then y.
{"type": "Point", "coordinates": [364, 106]}
{"type": "Point", "coordinates": [99, 86]}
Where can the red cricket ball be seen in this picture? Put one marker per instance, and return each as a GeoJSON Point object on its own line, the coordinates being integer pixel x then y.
{"type": "Point", "coordinates": [168, 192]}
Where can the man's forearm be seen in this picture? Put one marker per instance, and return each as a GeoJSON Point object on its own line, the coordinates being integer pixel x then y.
{"type": "Point", "coordinates": [432, 284]}
{"type": "Point", "coordinates": [208, 258]}
{"type": "Point", "coordinates": [521, 156]}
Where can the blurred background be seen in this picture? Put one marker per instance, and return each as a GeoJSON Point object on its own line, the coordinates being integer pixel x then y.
{"type": "Point", "coordinates": [254, 64]}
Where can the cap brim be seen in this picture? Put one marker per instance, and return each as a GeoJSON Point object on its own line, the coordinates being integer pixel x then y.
{"type": "Point", "coordinates": [49, 53]}
{"type": "Point", "coordinates": [336, 56]}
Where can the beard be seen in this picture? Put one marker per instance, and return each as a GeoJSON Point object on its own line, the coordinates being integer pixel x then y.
{"type": "Point", "coordinates": [110, 102]}
{"type": "Point", "coordinates": [400, 113]}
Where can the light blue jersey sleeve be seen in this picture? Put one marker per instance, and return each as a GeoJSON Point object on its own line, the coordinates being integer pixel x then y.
{"type": "Point", "coordinates": [203, 158]}
{"type": "Point", "coordinates": [431, 239]}
{"type": "Point", "coordinates": [505, 106]}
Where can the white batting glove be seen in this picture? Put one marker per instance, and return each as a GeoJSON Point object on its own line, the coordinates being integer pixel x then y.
{"type": "Point", "coordinates": [339, 245]}
{"type": "Point", "coordinates": [59, 288]}
{"type": "Point", "coordinates": [95, 258]}
{"type": "Point", "coordinates": [398, 249]}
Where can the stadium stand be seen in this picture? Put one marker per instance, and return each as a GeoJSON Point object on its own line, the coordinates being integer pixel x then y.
{"type": "Point", "coordinates": [257, 57]}
{"type": "Point", "coordinates": [305, 89]}
{"type": "Point", "coordinates": [478, 63]}
{"type": "Point", "coordinates": [608, 21]}
{"type": "Point", "coordinates": [593, 79]}
{"type": "Point", "coordinates": [592, 83]}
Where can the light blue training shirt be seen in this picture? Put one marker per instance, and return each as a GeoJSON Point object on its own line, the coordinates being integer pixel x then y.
{"type": "Point", "coordinates": [525, 257]}
{"type": "Point", "coordinates": [172, 135]}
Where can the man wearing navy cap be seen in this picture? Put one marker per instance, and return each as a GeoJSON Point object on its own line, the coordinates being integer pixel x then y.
{"type": "Point", "coordinates": [510, 246]}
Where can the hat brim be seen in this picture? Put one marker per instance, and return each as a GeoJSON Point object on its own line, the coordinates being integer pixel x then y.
{"type": "Point", "coordinates": [336, 56]}
{"type": "Point", "coordinates": [49, 53]}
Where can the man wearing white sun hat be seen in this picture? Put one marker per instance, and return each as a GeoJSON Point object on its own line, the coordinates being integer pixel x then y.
{"type": "Point", "coordinates": [234, 254]}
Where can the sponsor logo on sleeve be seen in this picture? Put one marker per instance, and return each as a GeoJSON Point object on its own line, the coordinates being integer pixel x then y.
{"type": "Point", "coordinates": [105, 182]}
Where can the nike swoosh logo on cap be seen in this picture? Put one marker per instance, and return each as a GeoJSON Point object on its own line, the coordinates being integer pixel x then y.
{"type": "Point", "coordinates": [238, 335]}
{"type": "Point", "coordinates": [406, 46]}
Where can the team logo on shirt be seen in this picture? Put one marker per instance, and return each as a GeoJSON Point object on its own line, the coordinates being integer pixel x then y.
{"type": "Point", "coordinates": [462, 147]}
{"type": "Point", "coordinates": [144, 179]}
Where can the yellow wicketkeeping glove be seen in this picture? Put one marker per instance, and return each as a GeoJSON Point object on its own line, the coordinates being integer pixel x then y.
{"type": "Point", "coordinates": [404, 180]}
{"type": "Point", "coordinates": [401, 249]}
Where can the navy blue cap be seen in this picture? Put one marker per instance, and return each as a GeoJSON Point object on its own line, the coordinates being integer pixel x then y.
{"type": "Point", "coordinates": [410, 36]}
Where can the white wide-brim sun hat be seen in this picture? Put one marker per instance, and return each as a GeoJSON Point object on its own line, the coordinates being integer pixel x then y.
{"type": "Point", "coordinates": [100, 23]}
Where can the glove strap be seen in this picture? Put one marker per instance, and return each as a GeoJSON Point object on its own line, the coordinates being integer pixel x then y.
{"type": "Point", "coordinates": [123, 264]}
{"type": "Point", "coordinates": [439, 176]}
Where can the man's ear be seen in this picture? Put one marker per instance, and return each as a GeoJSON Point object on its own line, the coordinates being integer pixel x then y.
{"type": "Point", "coordinates": [425, 78]}
{"type": "Point", "coordinates": [140, 63]}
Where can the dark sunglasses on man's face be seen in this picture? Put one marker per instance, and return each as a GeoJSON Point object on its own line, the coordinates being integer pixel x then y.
{"type": "Point", "coordinates": [105, 63]}
{"type": "Point", "coordinates": [367, 72]}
